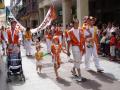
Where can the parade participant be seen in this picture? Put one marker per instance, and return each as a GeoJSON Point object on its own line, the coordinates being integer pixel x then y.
{"type": "Point", "coordinates": [103, 44]}
{"type": "Point", "coordinates": [48, 36]}
{"type": "Point", "coordinates": [65, 38]}
{"type": "Point", "coordinates": [91, 44]}
{"type": "Point", "coordinates": [28, 41]}
{"type": "Point", "coordinates": [58, 32]}
{"type": "Point", "coordinates": [37, 42]}
{"type": "Point", "coordinates": [13, 35]}
{"type": "Point", "coordinates": [66, 35]}
{"type": "Point", "coordinates": [76, 40]}
{"type": "Point", "coordinates": [56, 49]}
{"type": "Point", "coordinates": [4, 39]}
{"type": "Point", "coordinates": [39, 58]}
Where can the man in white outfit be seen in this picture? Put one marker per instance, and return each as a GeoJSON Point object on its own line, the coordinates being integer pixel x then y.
{"type": "Point", "coordinates": [75, 40]}
{"type": "Point", "coordinates": [91, 45]}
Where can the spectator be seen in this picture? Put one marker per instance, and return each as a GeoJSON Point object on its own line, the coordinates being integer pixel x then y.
{"type": "Point", "coordinates": [102, 42]}
{"type": "Point", "coordinates": [108, 29]}
{"type": "Point", "coordinates": [112, 45]}
{"type": "Point", "coordinates": [118, 48]}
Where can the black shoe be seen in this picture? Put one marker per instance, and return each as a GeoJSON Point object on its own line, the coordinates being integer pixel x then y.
{"type": "Point", "coordinates": [100, 70]}
{"type": "Point", "coordinates": [74, 74]}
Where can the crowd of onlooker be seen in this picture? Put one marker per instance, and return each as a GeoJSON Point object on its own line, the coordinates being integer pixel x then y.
{"type": "Point", "coordinates": [109, 37]}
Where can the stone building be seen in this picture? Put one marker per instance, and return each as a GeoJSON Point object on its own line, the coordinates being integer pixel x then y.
{"type": "Point", "coordinates": [34, 11]}
{"type": "Point", "coordinates": [28, 15]}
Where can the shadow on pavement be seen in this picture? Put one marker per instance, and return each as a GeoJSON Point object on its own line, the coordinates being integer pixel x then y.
{"type": "Point", "coordinates": [114, 61]}
{"type": "Point", "coordinates": [103, 76]}
{"type": "Point", "coordinates": [60, 81]}
{"type": "Point", "coordinates": [30, 57]}
{"type": "Point", "coordinates": [43, 75]}
{"type": "Point", "coordinates": [16, 83]}
{"type": "Point", "coordinates": [46, 65]}
{"type": "Point", "coordinates": [90, 84]}
{"type": "Point", "coordinates": [64, 82]}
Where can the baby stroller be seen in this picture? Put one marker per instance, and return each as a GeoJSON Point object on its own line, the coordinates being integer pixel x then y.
{"type": "Point", "coordinates": [14, 64]}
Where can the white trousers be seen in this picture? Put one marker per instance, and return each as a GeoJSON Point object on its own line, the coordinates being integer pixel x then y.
{"type": "Point", "coordinates": [60, 39]}
{"type": "Point", "coordinates": [48, 43]}
{"type": "Point", "coordinates": [112, 51]}
{"type": "Point", "coordinates": [76, 56]}
{"type": "Point", "coordinates": [89, 53]}
{"type": "Point", "coordinates": [4, 44]}
{"type": "Point", "coordinates": [28, 47]}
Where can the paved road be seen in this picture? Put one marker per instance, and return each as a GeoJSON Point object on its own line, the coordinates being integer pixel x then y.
{"type": "Point", "coordinates": [3, 85]}
{"type": "Point", "coordinates": [46, 81]}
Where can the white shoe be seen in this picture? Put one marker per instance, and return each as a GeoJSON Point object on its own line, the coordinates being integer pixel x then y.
{"type": "Point", "coordinates": [75, 78]}
{"type": "Point", "coordinates": [88, 69]}
{"type": "Point", "coordinates": [79, 79]}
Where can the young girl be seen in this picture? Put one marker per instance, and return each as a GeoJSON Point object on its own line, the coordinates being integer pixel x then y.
{"type": "Point", "coordinates": [37, 42]}
{"type": "Point", "coordinates": [56, 49]}
{"type": "Point", "coordinates": [39, 58]}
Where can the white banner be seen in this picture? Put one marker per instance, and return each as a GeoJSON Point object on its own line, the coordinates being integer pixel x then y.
{"type": "Point", "coordinates": [51, 15]}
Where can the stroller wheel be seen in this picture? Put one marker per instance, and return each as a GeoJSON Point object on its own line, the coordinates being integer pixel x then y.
{"type": "Point", "coordinates": [8, 74]}
{"type": "Point", "coordinates": [23, 78]}
{"type": "Point", "coordinates": [8, 80]}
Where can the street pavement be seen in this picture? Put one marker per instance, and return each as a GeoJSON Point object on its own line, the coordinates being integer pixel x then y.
{"type": "Point", "coordinates": [3, 75]}
{"type": "Point", "coordinates": [109, 80]}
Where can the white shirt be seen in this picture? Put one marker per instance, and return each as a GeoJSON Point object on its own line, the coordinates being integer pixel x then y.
{"type": "Point", "coordinates": [91, 29]}
{"type": "Point", "coordinates": [103, 39]}
{"type": "Point", "coordinates": [110, 30]}
{"type": "Point", "coordinates": [76, 33]}
{"type": "Point", "coordinates": [5, 35]}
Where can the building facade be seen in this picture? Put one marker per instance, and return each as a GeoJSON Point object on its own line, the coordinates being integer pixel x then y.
{"type": "Point", "coordinates": [33, 12]}
{"type": "Point", "coordinates": [64, 8]}
{"type": "Point", "coordinates": [105, 10]}
{"type": "Point", "coordinates": [28, 15]}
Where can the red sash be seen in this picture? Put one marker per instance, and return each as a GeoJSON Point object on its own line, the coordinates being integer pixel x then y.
{"type": "Point", "coordinates": [56, 52]}
{"type": "Point", "coordinates": [75, 42]}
